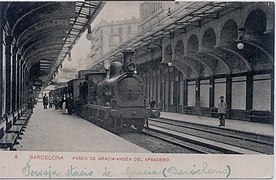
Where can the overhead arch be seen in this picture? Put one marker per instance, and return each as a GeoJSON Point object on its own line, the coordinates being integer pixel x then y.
{"type": "Point", "coordinates": [50, 51]}
{"type": "Point", "coordinates": [209, 39]}
{"type": "Point", "coordinates": [255, 23]}
{"type": "Point", "coordinates": [262, 49]}
{"type": "Point", "coordinates": [220, 59]}
{"type": "Point", "coordinates": [168, 53]}
{"type": "Point", "coordinates": [179, 49]}
{"type": "Point", "coordinates": [30, 12]}
{"type": "Point", "coordinates": [40, 44]}
{"type": "Point", "coordinates": [240, 57]}
{"type": "Point", "coordinates": [44, 34]}
{"type": "Point", "coordinates": [192, 45]}
{"type": "Point", "coordinates": [38, 26]}
{"type": "Point", "coordinates": [195, 58]}
{"type": "Point", "coordinates": [229, 33]}
{"type": "Point", "coordinates": [181, 68]}
{"type": "Point", "coordinates": [31, 63]}
{"type": "Point", "coordinates": [190, 63]}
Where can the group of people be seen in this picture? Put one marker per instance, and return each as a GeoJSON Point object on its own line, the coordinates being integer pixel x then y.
{"type": "Point", "coordinates": [65, 103]}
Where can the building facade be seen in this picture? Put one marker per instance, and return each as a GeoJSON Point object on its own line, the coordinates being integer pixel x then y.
{"type": "Point", "coordinates": [106, 36]}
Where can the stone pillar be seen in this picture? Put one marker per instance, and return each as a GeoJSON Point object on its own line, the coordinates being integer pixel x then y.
{"type": "Point", "coordinates": [1, 58]}
{"type": "Point", "coordinates": [185, 103]}
{"type": "Point", "coordinates": [212, 92]}
{"type": "Point", "coordinates": [8, 74]}
{"type": "Point", "coordinates": [272, 95]}
{"type": "Point", "coordinates": [22, 85]}
{"type": "Point", "coordinates": [197, 89]}
{"type": "Point", "coordinates": [18, 82]}
{"type": "Point", "coordinates": [249, 92]}
{"type": "Point", "coordinates": [229, 95]}
{"type": "Point", "coordinates": [14, 78]}
{"type": "Point", "coordinates": [24, 81]}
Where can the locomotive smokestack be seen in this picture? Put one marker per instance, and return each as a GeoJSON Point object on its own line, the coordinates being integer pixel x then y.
{"type": "Point", "coordinates": [127, 55]}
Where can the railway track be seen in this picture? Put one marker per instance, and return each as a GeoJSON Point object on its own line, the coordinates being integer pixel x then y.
{"type": "Point", "coordinates": [169, 136]}
{"type": "Point", "coordinates": [208, 139]}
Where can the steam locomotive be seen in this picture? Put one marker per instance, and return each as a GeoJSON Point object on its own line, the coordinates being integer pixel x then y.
{"type": "Point", "coordinates": [111, 100]}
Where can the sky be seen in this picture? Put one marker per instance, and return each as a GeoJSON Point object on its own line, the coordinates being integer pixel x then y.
{"type": "Point", "coordinates": [112, 11]}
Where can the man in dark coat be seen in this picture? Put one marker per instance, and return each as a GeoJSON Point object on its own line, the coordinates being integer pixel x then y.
{"type": "Point", "coordinates": [152, 103]}
{"type": "Point", "coordinates": [45, 101]}
{"type": "Point", "coordinates": [70, 104]}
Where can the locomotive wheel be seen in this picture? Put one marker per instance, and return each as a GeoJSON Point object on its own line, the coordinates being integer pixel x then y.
{"type": "Point", "coordinates": [139, 124]}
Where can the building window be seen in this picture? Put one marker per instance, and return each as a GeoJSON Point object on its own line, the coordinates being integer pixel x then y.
{"type": "Point", "coordinates": [120, 30]}
{"type": "Point", "coordinates": [111, 30]}
{"type": "Point", "coordinates": [120, 39]}
{"type": "Point", "coordinates": [129, 29]}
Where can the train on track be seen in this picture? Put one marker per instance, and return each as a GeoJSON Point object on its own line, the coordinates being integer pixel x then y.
{"type": "Point", "coordinates": [112, 99]}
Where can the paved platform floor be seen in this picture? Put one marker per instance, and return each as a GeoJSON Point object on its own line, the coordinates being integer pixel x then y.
{"type": "Point", "coordinates": [244, 126]}
{"type": "Point", "coordinates": [50, 130]}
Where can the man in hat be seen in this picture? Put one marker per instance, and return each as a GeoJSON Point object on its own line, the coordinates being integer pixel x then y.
{"type": "Point", "coordinates": [45, 101]}
{"type": "Point", "coordinates": [222, 106]}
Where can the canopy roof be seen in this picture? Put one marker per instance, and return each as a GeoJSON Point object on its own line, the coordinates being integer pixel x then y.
{"type": "Point", "coordinates": [190, 14]}
{"type": "Point", "coordinates": [45, 32]}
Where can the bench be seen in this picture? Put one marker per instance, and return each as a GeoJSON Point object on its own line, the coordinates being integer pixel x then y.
{"type": "Point", "coordinates": [23, 116]}
{"type": "Point", "coordinates": [11, 125]}
{"type": "Point", "coordinates": [260, 116]}
{"type": "Point", "coordinates": [15, 115]}
{"type": "Point", "coordinates": [7, 139]}
{"type": "Point", "coordinates": [187, 109]}
{"type": "Point", "coordinates": [16, 129]}
{"type": "Point", "coordinates": [19, 112]}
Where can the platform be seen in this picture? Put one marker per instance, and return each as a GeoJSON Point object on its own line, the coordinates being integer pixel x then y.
{"type": "Point", "coordinates": [50, 130]}
{"type": "Point", "coordinates": [238, 125]}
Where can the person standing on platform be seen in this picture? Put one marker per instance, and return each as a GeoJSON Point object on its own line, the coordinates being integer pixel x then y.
{"type": "Point", "coordinates": [70, 104]}
{"type": "Point", "coordinates": [56, 102]}
{"type": "Point", "coordinates": [152, 103]}
{"type": "Point", "coordinates": [222, 106]}
{"type": "Point", "coordinates": [51, 101]}
{"type": "Point", "coordinates": [64, 104]}
{"type": "Point", "coordinates": [59, 104]}
{"type": "Point", "coordinates": [45, 101]}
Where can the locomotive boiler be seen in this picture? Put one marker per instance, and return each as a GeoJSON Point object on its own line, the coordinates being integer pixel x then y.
{"type": "Point", "coordinates": [115, 99]}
